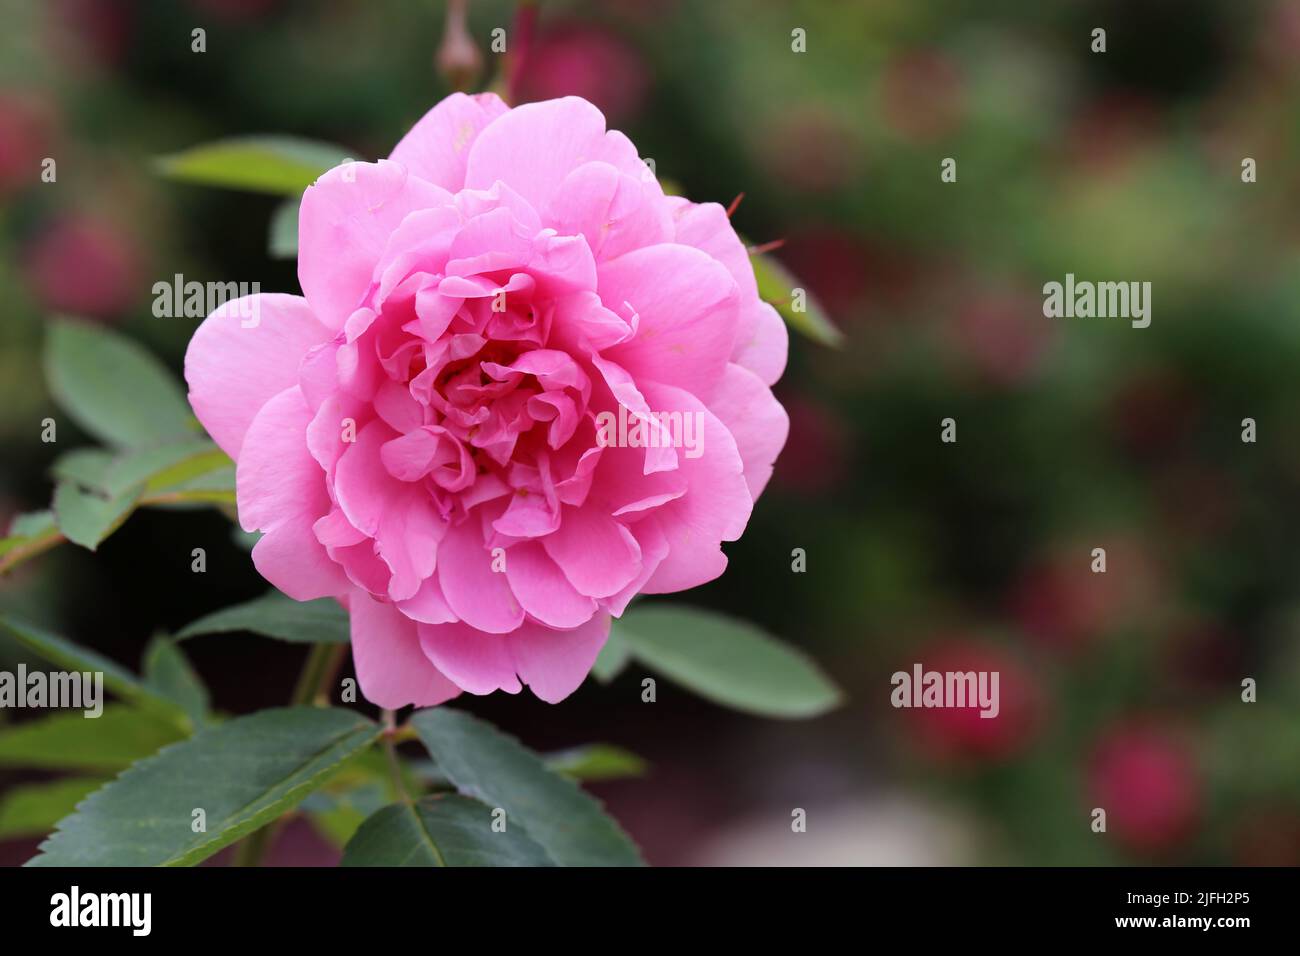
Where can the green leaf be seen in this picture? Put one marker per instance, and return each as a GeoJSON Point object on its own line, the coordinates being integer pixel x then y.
{"type": "Point", "coordinates": [284, 165]}
{"type": "Point", "coordinates": [595, 762]}
{"type": "Point", "coordinates": [68, 740]}
{"type": "Point", "coordinates": [69, 656]}
{"type": "Point", "coordinates": [32, 523]}
{"type": "Point", "coordinates": [338, 816]}
{"type": "Point", "coordinates": [441, 830]}
{"type": "Point", "coordinates": [483, 763]}
{"type": "Point", "coordinates": [87, 518]}
{"type": "Point", "coordinates": [282, 237]}
{"type": "Point", "coordinates": [590, 762]}
{"type": "Point", "coordinates": [320, 621]}
{"type": "Point", "coordinates": [243, 774]}
{"type": "Point", "coordinates": [185, 472]}
{"type": "Point", "coordinates": [776, 287]}
{"type": "Point", "coordinates": [32, 809]}
{"type": "Point", "coordinates": [85, 466]}
{"type": "Point", "coordinates": [168, 671]}
{"type": "Point", "coordinates": [112, 387]}
{"type": "Point", "coordinates": [164, 466]}
{"type": "Point", "coordinates": [215, 487]}
{"type": "Point", "coordinates": [728, 661]}
{"type": "Point", "coordinates": [29, 535]}
{"type": "Point", "coordinates": [361, 788]}
{"type": "Point", "coordinates": [611, 660]}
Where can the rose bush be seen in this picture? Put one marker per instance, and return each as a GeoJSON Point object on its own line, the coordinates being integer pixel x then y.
{"type": "Point", "coordinates": [418, 434]}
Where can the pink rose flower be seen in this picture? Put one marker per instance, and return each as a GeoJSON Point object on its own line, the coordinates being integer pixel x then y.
{"type": "Point", "coordinates": [448, 432]}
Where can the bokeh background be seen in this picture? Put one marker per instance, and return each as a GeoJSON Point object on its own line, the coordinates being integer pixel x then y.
{"type": "Point", "coordinates": [1120, 690]}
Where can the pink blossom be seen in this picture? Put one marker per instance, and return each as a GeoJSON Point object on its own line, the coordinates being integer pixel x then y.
{"type": "Point", "coordinates": [25, 139]}
{"type": "Point", "coordinates": [86, 266]}
{"type": "Point", "coordinates": [417, 435]}
{"type": "Point", "coordinates": [1146, 779]}
{"type": "Point", "coordinates": [587, 61]}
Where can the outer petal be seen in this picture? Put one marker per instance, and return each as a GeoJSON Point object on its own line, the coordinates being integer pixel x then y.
{"type": "Point", "coordinates": [281, 490]}
{"type": "Point", "coordinates": [554, 663]}
{"type": "Point", "coordinates": [762, 341]}
{"type": "Point", "coordinates": [276, 476]}
{"type": "Point", "coordinates": [243, 354]}
{"type": "Point", "coordinates": [534, 146]}
{"type": "Point", "coordinates": [477, 661]}
{"type": "Point", "coordinates": [597, 553]}
{"type": "Point", "coordinates": [756, 421]}
{"type": "Point", "coordinates": [543, 590]}
{"type": "Point", "coordinates": [293, 560]}
{"type": "Point", "coordinates": [344, 224]}
{"type": "Point", "coordinates": [616, 212]}
{"type": "Point", "coordinates": [687, 303]}
{"type": "Point", "coordinates": [391, 668]}
{"type": "Point", "coordinates": [437, 147]}
{"type": "Point", "coordinates": [715, 508]}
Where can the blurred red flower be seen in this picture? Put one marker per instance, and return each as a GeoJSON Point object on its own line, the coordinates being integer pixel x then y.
{"type": "Point", "coordinates": [1108, 132]}
{"type": "Point", "coordinates": [961, 733]}
{"type": "Point", "coordinates": [579, 59]}
{"type": "Point", "coordinates": [25, 135]}
{"type": "Point", "coordinates": [1002, 335]}
{"type": "Point", "coordinates": [1145, 778]}
{"type": "Point", "coordinates": [817, 154]}
{"type": "Point", "coordinates": [84, 266]}
{"type": "Point", "coordinates": [1061, 603]}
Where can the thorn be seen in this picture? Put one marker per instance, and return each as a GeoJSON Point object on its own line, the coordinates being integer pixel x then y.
{"type": "Point", "coordinates": [734, 203]}
{"type": "Point", "coordinates": [766, 247]}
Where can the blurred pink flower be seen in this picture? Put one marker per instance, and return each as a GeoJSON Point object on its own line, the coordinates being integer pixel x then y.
{"type": "Point", "coordinates": [816, 154]}
{"type": "Point", "coordinates": [579, 59]}
{"type": "Point", "coordinates": [1145, 778]}
{"type": "Point", "coordinates": [85, 266]}
{"type": "Point", "coordinates": [25, 140]}
{"type": "Point", "coordinates": [1061, 603]}
{"type": "Point", "coordinates": [961, 733]}
{"type": "Point", "coordinates": [93, 32]}
{"type": "Point", "coordinates": [1108, 132]}
{"type": "Point", "coordinates": [1000, 333]}
{"type": "Point", "coordinates": [423, 436]}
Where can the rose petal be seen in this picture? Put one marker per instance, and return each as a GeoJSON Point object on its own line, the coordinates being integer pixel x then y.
{"type": "Point", "coordinates": [391, 668]}
{"type": "Point", "coordinates": [234, 367]}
